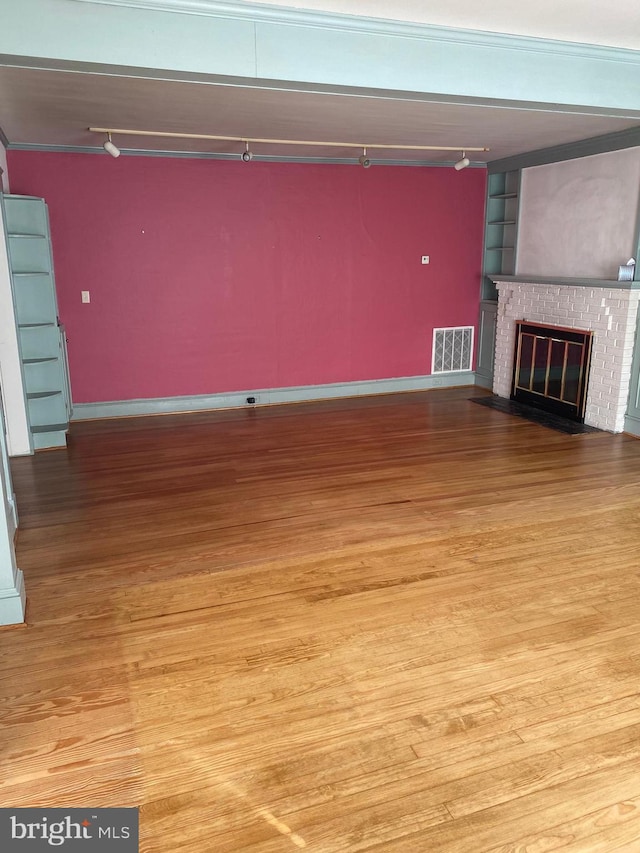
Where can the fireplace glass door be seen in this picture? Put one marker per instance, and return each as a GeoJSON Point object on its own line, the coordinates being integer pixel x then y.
{"type": "Point", "coordinates": [551, 367]}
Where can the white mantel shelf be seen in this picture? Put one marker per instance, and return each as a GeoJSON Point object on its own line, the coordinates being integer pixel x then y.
{"type": "Point", "coordinates": [572, 282]}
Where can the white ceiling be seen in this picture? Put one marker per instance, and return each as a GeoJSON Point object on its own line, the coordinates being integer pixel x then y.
{"type": "Point", "coordinates": [615, 23]}
{"type": "Point", "coordinates": [55, 108]}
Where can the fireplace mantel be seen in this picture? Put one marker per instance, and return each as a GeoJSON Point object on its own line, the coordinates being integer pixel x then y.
{"type": "Point", "coordinates": [568, 282]}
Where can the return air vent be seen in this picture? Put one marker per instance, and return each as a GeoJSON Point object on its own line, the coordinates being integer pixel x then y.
{"type": "Point", "coordinates": [452, 349]}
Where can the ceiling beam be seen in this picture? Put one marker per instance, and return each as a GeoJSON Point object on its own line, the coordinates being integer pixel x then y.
{"type": "Point", "coordinates": [412, 58]}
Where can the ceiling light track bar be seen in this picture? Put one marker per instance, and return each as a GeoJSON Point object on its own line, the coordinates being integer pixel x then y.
{"type": "Point", "coordinates": [251, 139]}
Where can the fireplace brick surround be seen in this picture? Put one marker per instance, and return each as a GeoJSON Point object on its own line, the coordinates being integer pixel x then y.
{"type": "Point", "coordinates": [609, 311]}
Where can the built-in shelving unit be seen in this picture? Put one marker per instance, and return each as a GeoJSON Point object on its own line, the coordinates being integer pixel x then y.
{"type": "Point", "coordinates": [500, 236]}
{"type": "Point", "coordinates": [501, 228]}
{"type": "Point", "coordinates": [40, 335]}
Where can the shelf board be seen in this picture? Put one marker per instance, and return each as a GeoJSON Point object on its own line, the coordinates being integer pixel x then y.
{"type": "Point", "coordinates": [502, 222]}
{"type": "Point", "coordinates": [503, 195]}
{"type": "Point", "coordinates": [39, 360]}
{"type": "Point", "coordinates": [18, 274]}
{"type": "Point", "coordinates": [38, 395]}
{"type": "Point", "coordinates": [26, 234]}
{"type": "Point", "coordinates": [35, 325]}
{"type": "Point", "coordinates": [50, 428]}
{"type": "Point", "coordinates": [500, 249]}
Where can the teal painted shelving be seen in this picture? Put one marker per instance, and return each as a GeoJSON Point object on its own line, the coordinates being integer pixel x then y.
{"type": "Point", "coordinates": [501, 229]}
{"type": "Point", "coordinates": [41, 338]}
{"type": "Point", "coordinates": [500, 243]}
{"type": "Point", "coordinates": [36, 395]}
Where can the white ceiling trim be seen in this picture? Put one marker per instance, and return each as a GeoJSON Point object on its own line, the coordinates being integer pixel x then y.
{"type": "Point", "coordinates": [260, 13]}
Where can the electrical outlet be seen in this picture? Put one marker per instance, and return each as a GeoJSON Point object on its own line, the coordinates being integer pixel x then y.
{"type": "Point", "coordinates": [251, 401]}
{"type": "Point", "coordinates": [86, 296]}
{"type": "Point", "coordinates": [425, 259]}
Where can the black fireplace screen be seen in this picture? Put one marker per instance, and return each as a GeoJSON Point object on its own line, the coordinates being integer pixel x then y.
{"type": "Point", "coordinates": [551, 367]}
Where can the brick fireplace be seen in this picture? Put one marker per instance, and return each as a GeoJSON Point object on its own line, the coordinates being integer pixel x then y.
{"type": "Point", "coordinates": [606, 309]}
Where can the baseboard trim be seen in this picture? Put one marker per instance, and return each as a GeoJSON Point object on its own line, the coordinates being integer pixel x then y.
{"type": "Point", "coordinates": [484, 381]}
{"type": "Point", "coordinates": [268, 396]}
{"type": "Point", "coordinates": [632, 425]}
{"type": "Point", "coordinates": [49, 440]}
{"type": "Point", "coordinates": [13, 602]}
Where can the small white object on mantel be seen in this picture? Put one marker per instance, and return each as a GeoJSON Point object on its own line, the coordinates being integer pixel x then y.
{"type": "Point", "coordinates": [626, 271]}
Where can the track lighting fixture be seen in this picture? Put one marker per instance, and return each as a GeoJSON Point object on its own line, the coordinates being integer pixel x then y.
{"type": "Point", "coordinates": [247, 155]}
{"type": "Point", "coordinates": [364, 160]}
{"type": "Point", "coordinates": [109, 147]}
{"type": "Point", "coordinates": [463, 163]}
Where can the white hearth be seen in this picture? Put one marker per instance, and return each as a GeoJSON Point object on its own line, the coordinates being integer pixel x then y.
{"type": "Point", "coordinates": [608, 309]}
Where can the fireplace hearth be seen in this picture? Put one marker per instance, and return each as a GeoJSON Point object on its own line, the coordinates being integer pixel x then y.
{"type": "Point", "coordinates": [551, 368]}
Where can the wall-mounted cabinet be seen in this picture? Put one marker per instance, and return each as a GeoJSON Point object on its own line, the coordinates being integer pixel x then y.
{"type": "Point", "coordinates": [501, 228]}
{"type": "Point", "coordinates": [41, 337]}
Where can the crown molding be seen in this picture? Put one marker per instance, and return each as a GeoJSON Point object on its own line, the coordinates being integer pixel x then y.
{"type": "Point", "coordinates": [375, 26]}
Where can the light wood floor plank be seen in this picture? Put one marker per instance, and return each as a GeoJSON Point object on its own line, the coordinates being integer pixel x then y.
{"type": "Point", "coordinates": [393, 624]}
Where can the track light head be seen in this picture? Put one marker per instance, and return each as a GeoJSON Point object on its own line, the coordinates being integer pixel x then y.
{"type": "Point", "coordinates": [364, 160]}
{"type": "Point", "coordinates": [110, 148]}
{"type": "Point", "coordinates": [463, 163]}
{"type": "Point", "coordinates": [247, 155]}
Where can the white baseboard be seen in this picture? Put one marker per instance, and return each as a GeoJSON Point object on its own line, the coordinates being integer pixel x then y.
{"type": "Point", "coordinates": [268, 396]}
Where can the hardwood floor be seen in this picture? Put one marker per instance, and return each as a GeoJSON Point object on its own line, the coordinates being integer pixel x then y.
{"type": "Point", "coordinates": [398, 624]}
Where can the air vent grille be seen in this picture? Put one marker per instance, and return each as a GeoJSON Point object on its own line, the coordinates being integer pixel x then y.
{"type": "Point", "coordinates": [452, 349]}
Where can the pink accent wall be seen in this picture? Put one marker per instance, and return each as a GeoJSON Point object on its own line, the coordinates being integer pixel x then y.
{"type": "Point", "coordinates": [210, 276]}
